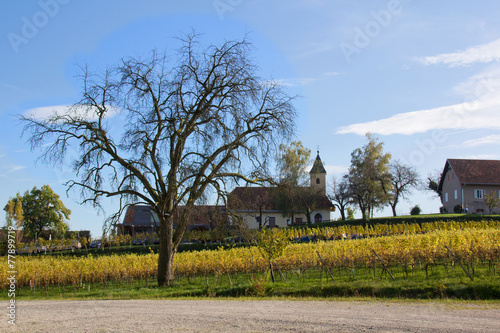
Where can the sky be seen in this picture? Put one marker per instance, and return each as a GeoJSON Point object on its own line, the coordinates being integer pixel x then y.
{"type": "Point", "coordinates": [422, 76]}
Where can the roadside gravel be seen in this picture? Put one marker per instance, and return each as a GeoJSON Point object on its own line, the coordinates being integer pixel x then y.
{"type": "Point", "coordinates": [251, 316]}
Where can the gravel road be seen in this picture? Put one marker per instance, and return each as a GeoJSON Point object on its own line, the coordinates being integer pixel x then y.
{"type": "Point", "coordinates": [251, 316]}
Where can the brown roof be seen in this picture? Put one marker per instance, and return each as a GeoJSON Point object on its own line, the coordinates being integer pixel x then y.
{"type": "Point", "coordinates": [474, 171]}
{"type": "Point", "coordinates": [256, 198]}
{"type": "Point", "coordinates": [317, 166]}
{"type": "Point", "coordinates": [252, 198]}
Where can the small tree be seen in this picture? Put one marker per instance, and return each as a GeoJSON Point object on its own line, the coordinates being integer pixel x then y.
{"type": "Point", "coordinates": [350, 213]}
{"type": "Point", "coordinates": [402, 179]}
{"type": "Point", "coordinates": [340, 195]}
{"type": "Point", "coordinates": [272, 245]}
{"type": "Point", "coordinates": [14, 215]}
{"type": "Point", "coordinates": [433, 181]}
{"type": "Point", "coordinates": [492, 201]}
{"type": "Point", "coordinates": [415, 210]}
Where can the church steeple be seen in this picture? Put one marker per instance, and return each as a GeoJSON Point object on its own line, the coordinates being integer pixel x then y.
{"type": "Point", "coordinates": [318, 175]}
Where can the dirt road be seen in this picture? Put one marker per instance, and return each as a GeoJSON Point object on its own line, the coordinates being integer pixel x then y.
{"type": "Point", "coordinates": [251, 316]}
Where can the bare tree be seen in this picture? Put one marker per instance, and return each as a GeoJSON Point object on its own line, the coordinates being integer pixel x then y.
{"type": "Point", "coordinates": [403, 179]}
{"type": "Point", "coordinates": [191, 126]}
{"type": "Point", "coordinates": [340, 194]}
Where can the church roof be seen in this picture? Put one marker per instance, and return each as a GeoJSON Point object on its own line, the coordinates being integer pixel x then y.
{"type": "Point", "coordinates": [318, 166]}
{"type": "Point", "coordinates": [255, 198]}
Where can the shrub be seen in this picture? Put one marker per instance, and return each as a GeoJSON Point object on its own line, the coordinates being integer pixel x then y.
{"type": "Point", "coordinates": [415, 210]}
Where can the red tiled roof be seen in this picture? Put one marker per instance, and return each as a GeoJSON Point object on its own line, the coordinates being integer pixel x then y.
{"type": "Point", "coordinates": [475, 171]}
{"type": "Point", "coordinates": [253, 198]}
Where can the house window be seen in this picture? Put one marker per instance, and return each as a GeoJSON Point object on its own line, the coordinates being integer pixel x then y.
{"type": "Point", "coordinates": [446, 197]}
{"type": "Point", "coordinates": [317, 181]}
{"type": "Point", "coordinates": [478, 194]}
{"type": "Point", "coordinates": [455, 194]}
{"type": "Point", "coordinates": [298, 220]}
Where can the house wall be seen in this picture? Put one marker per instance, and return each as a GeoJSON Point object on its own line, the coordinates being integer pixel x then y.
{"type": "Point", "coordinates": [452, 191]}
{"type": "Point", "coordinates": [477, 205]}
{"type": "Point", "coordinates": [249, 218]}
{"type": "Point", "coordinates": [466, 195]}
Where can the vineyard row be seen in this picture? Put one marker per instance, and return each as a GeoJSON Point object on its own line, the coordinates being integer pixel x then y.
{"type": "Point", "coordinates": [472, 246]}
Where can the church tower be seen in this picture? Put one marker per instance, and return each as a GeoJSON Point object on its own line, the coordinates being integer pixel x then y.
{"type": "Point", "coordinates": [318, 175]}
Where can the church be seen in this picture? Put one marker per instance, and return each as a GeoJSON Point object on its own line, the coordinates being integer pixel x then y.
{"type": "Point", "coordinates": [259, 206]}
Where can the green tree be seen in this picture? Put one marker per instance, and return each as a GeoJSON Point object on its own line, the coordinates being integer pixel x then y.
{"type": "Point", "coordinates": [350, 213]}
{"type": "Point", "coordinates": [14, 215]}
{"type": "Point", "coordinates": [433, 181]}
{"type": "Point", "coordinates": [195, 121]}
{"type": "Point", "coordinates": [368, 175]}
{"type": "Point", "coordinates": [292, 163]}
{"type": "Point", "coordinates": [43, 210]}
{"type": "Point", "coordinates": [293, 195]}
{"type": "Point", "coordinates": [271, 245]}
{"type": "Point", "coordinates": [491, 200]}
{"type": "Point", "coordinates": [415, 210]}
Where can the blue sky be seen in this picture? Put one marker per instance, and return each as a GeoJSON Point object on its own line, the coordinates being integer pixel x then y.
{"type": "Point", "coordinates": [423, 76]}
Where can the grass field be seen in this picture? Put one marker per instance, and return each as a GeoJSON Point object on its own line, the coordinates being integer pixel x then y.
{"type": "Point", "coordinates": [438, 283]}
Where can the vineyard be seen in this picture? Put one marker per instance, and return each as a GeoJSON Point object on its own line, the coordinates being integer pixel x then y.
{"type": "Point", "coordinates": [465, 249]}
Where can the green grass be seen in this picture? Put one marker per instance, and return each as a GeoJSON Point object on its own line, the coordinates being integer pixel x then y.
{"type": "Point", "coordinates": [438, 283]}
{"type": "Point", "coordinates": [406, 219]}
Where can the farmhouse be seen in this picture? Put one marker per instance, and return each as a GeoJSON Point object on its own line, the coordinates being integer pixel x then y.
{"type": "Point", "coordinates": [141, 219]}
{"type": "Point", "coordinates": [465, 183]}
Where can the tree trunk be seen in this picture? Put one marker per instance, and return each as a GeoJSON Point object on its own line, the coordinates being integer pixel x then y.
{"type": "Point", "coordinates": [393, 210]}
{"type": "Point", "coordinates": [363, 209]}
{"type": "Point", "coordinates": [342, 212]}
{"type": "Point", "coordinates": [167, 251]}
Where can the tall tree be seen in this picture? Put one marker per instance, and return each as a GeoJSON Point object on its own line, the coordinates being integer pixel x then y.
{"type": "Point", "coordinates": [191, 126]}
{"type": "Point", "coordinates": [41, 209]}
{"type": "Point", "coordinates": [340, 194]}
{"type": "Point", "coordinates": [14, 215]}
{"type": "Point", "coordinates": [402, 179]}
{"type": "Point", "coordinates": [368, 174]}
{"type": "Point", "coordinates": [293, 160]}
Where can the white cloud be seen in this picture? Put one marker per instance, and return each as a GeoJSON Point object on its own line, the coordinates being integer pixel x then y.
{"type": "Point", "coordinates": [481, 53]}
{"type": "Point", "coordinates": [480, 85]}
{"type": "Point", "coordinates": [482, 93]}
{"type": "Point", "coordinates": [333, 73]}
{"type": "Point", "coordinates": [14, 168]}
{"type": "Point", "coordinates": [295, 82]}
{"type": "Point", "coordinates": [82, 112]}
{"type": "Point", "coordinates": [469, 115]}
{"type": "Point", "coordinates": [482, 157]}
{"type": "Point", "coordinates": [487, 140]}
